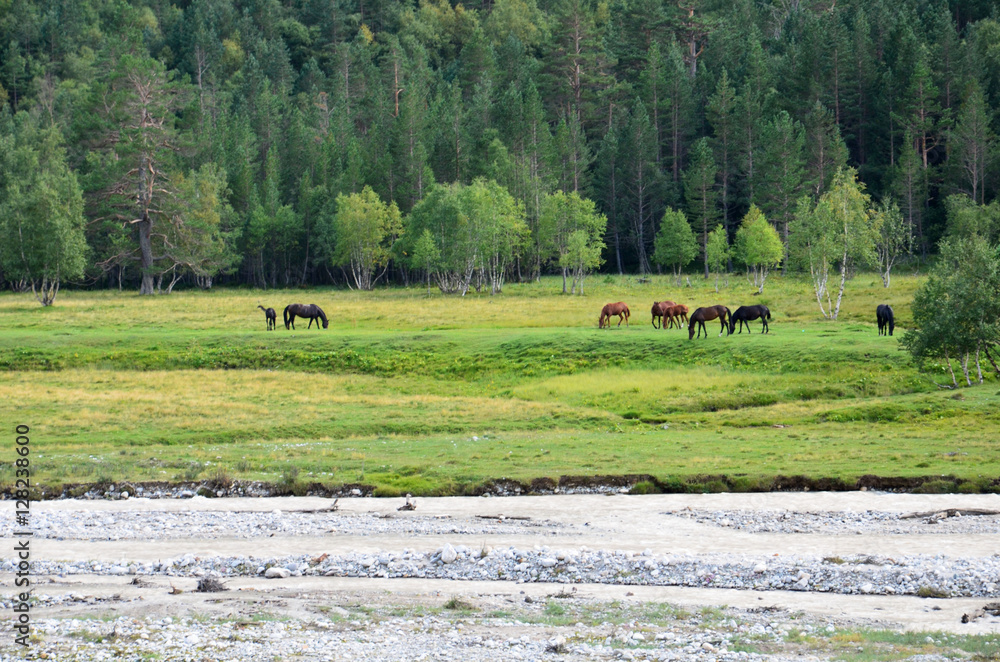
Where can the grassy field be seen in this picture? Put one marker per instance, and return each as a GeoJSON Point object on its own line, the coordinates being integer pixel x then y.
{"type": "Point", "coordinates": [440, 395]}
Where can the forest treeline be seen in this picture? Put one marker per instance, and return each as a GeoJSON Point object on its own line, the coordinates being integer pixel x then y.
{"type": "Point", "coordinates": [147, 141]}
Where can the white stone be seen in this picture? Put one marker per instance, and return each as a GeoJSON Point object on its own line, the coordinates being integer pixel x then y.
{"type": "Point", "coordinates": [277, 573]}
{"type": "Point", "coordinates": [448, 554]}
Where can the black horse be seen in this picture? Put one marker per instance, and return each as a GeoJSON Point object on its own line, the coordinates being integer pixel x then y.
{"type": "Point", "coordinates": [885, 319]}
{"type": "Point", "coordinates": [312, 311]}
{"type": "Point", "coordinates": [744, 314]}
{"type": "Point", "coordinates": [271, 316]}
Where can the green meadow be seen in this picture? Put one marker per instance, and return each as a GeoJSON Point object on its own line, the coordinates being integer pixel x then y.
{"type": "Point", "coordinates": [410, 393]}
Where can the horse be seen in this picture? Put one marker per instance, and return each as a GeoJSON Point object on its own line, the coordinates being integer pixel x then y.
{"type": "Point", "coordinates": [744, 314]}
{"type": "Point", "coordinates": [270, 316]}
{"type": "Point", "coordinates": [702, 315]}
{"type": "Point", "coordinates": [676, 314]}
{"type": "Point", "coordinates": [658, 308]}
{"type": "Point", "coordinates": [619, 309]}
{"type": "Point", "coordinates": [886, 320]}
{"type": "Point", "coordinates": [312, 311]}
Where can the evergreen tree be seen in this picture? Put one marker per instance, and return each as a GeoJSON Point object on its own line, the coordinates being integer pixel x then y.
{"type": "Point", "coordinates": [721, 111]}
{"type": "Point", "coordinates": [640, 181]}
{"type": "Point", "coordinates": [699, 191]}
{"type": "Point", "coordinates": [782, 171]}
{"type": "Point", "coordinates": [974, 143]}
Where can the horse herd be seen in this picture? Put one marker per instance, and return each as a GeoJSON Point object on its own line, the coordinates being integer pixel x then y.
{"type": "Point", "coordinates": [310, 311]}
{"type": "Point", "coordinates": [669, 313]}
{"type": "Point", "coordinates": [666, 314]}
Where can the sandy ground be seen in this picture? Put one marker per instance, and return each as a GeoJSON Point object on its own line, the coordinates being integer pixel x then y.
{"type": "Point", "coordinates": [618, 522]}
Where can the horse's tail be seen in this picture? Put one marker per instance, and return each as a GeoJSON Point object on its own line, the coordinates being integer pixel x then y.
{"type": "Point", "coordinates": [768, 312]}
{"type": "Point", "coordinates": [286, 317]}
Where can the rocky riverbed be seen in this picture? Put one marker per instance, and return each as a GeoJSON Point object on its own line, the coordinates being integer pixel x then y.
{"type": "Point", "coordinates": [659, 577]}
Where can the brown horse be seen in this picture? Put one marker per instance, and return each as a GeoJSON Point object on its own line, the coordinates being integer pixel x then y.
{"type": "Point", "coordinates": [703, 315]}
{"type": "Point", "coordinates": [619, 309]}
{"type": "Point", "coordinates": [675, 314]}
{"type": "Point", "coordinates": [658, 308]}
{"type": "Point", "coordinates": [270, 316]}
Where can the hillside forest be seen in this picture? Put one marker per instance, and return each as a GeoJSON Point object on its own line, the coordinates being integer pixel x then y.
{"type": "Point", "coordinates": [146, 143]}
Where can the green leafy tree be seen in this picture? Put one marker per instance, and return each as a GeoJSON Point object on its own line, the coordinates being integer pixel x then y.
{"type": "Point", "coordinates": [840, 232]}
{"type": "Point", "coordinates": [478, 229]}
{"type": "Point", "coordinates": [564, 215]}
{"type": "Point", "coordinates": [956, 312]}
{"type": "Point", "coordinates": [758, 246]}
{"type": "Point", "coordinates": [41, 210]}
{"type": "Point", "coordinates": [895, 239]}
{"type": "Point", "coordinates": [718, 253]}
{"type": "Point", "coordinates": [499, 230]}
{"type": "Point", "coordinates": [965, 218]}
{"type": "Point", "coordinates": [204, 242]}
{"type": "Point", "coordinates": [365, 227]}
{"type": "Point", "coordinates": [426, 255]}
{"type": "Point", "coordinates": [583, 254]}
{"type": "Point", "coordinates": [675, 244]}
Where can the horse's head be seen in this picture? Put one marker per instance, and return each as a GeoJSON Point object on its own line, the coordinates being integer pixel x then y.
{"type": "Point", "coordinates": [326, 323]}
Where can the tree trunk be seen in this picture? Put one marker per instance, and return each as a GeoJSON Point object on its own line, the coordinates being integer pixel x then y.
{"type": "Point", "coordinates": [990, 358]}
{"type": "Point", "coordinates": [947, 359]}
{"type": "Point", "coordinates": [843, 281]}
{"type": "Point", "coordinates": [146, 253]}
{"type": "Point", "coordinates": [564, 279]}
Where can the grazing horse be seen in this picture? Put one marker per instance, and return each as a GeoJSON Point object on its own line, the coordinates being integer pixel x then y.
{"type": "Point", "coordinates": [886, 320]}
{"type": "Point", "coordinates": [271, 317]}
{"type": "Point", "coordinates": [619, 309]}
{"type": "Point", "coordinates": [702, 315]}
{"type": "Point", "coordinates": [675, 314]}
{"type": "Point", "coordinates": [658, 308]}
{"type": "Point", "coordinates": [744, 314]}
{"type": "Point", "coordinates": [312, 311]}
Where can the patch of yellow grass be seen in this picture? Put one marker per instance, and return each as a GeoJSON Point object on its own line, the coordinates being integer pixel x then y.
{"type": "Point", "coordinates": [522, 305]}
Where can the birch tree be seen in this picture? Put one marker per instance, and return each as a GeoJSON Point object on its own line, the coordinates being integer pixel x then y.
{"type": "Point", "coordinates": [839, 233]}
{"type": "Point", "coordinates": [364, 227]}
